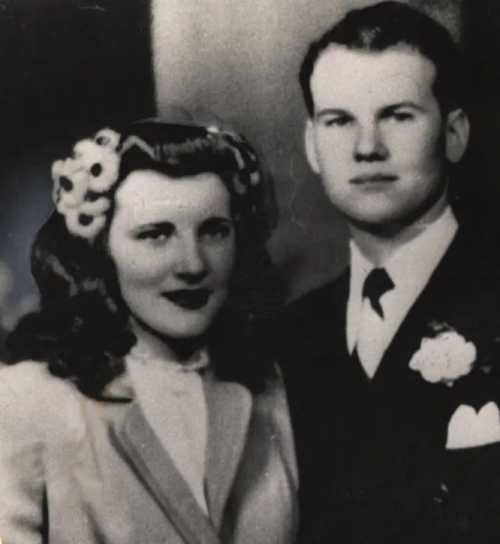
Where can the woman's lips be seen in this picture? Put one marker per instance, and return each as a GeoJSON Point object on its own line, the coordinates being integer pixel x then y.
{"type": "Point", "coordinates": [189, 299]}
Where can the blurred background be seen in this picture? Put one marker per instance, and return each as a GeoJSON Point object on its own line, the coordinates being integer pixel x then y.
{"type": "Point", "coordinates": [69, 67]}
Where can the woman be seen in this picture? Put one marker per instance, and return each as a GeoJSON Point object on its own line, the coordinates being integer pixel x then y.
{"type": "Point", "coordinates": [141, 409]}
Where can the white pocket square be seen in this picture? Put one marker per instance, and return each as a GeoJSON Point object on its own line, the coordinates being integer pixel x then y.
{"type": "Point", "coordinates": [468, 428]}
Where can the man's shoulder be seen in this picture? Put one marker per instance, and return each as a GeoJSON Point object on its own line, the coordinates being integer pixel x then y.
{"type": "Point", "coordinates": [310, 319]}
{"type": "Point", "coordinates": [477, 244]}
{"type": "Point", "coordinates": [320, 301]}
{"type": "Point", "coordinates": [470, 269]}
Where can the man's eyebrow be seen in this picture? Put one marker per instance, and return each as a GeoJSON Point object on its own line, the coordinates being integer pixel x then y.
{"type": "Point", "coordinates": [384, 109]}
{"type": "Point", "coordinates": [331, 111]}
{"type": "Point", "coordinates": [399, 105]}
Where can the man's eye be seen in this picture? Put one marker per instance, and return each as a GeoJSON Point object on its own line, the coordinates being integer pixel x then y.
{"type": "Point", "coordinates": [401, 116]}
{"type": "Point", "coordinates": [337, 121]}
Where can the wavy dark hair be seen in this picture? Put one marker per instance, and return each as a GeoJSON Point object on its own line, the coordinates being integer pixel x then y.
{"type": "Point", "coordinates": [82, 326]}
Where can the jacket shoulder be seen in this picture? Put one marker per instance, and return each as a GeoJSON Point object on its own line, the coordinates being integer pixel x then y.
{"type": "Point", "coordinates": [310, 318]}
{"type": "Point", "coordinates": [320, 299]}
{"type": "Point", "coordinates": [31, 398]}
{"type": "Point", "coordinates": [318, 306]}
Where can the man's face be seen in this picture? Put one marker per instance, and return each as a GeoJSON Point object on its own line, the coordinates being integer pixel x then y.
{"type": "Point", "coordinates": [377, 136]}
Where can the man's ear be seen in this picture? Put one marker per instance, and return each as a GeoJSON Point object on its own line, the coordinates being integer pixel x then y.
{"type": "Point", "coordinates": [310, 146]}
{"type": "Point", "coordinates": [457, 134]}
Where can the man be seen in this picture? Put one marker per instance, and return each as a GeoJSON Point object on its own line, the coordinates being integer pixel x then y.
{"type": "Point", "coordinates": [391, 370]}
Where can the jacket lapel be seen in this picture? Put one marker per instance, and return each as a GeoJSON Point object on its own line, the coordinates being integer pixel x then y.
{"type": "Point", "coordinates": [229, 410]}
{"type": "Point", "coordinates": [435, 302]}
{"type": "Point", "coordinates": [348, 365]}
{"type": "Point", "coordinates": [137, 442]}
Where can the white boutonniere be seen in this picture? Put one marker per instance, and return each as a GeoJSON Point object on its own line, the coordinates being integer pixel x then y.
{"type": "Point", "coordinates": [444, 357]}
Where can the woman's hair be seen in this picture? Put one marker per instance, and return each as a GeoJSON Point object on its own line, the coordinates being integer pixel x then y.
{"type": "Point", "coordinates": [82, 326]}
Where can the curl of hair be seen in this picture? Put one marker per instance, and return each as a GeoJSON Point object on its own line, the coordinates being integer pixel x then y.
{"type": "Point", "coordinates": [81, 329]}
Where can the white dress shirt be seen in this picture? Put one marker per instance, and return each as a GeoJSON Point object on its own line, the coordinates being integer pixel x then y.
{"type": "Point", "coordinates": [410, 268]}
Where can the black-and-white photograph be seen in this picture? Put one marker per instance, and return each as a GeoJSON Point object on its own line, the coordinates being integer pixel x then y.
{"type": "Point", "coordinates": [249, 278]}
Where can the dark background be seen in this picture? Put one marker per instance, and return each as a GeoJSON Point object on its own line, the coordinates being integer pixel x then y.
{"type": "Point", "coordinates": [69, 67]}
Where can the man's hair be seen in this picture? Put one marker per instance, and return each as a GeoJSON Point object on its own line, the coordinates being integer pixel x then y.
{"type": "Point", "coordinates": [389, 24]}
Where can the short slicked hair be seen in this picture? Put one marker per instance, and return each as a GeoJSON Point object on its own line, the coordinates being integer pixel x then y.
{"type": "Point", "coordinates": [391, 24]}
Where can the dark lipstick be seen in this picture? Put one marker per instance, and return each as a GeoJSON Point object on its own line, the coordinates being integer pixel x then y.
{"type": "Point", "coordinates": [189, 299]}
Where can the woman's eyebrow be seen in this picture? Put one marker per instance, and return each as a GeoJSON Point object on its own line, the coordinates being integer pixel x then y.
{"type": "Point", "coordinates": [221, 218]}
{"type": "Point", "coordinates": [155, 224]}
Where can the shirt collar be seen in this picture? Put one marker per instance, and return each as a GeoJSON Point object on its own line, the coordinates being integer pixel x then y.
{"type": "Point", "coordinates": [122, 387]}
{"type": "Point", "coordinates": [413, 263]}
{"type": "Point", "coordinates": [410, 268]}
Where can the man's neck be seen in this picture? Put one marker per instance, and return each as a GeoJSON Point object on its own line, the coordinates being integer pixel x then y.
{"type": "Point", "coordinates": [379, 245]}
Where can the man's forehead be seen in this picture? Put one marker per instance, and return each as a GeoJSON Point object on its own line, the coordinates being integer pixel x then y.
{"type": "Point", "coordinates": [389, 74]}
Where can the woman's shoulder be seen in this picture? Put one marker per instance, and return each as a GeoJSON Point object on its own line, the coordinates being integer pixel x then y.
{"type": "Point", "coordinates": [270, 403]}
{"type": "Point", "coordinates": [32, 377]}
{"type": "Point", "coordinates": [270, 409]}
{"type": "Point", "coordinates": [29, 388]}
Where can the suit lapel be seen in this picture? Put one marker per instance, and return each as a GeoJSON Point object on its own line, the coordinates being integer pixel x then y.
{"type": "Point", "coordinates": [406, 341]}
{"type": "Point", "coordinates": [349, 365]}
{"type": "Point", "coordinates": [433, 303]}
{"type": "Point", "coordinates": [328, 335]}
{"type": "Point", "coordinates": [338, 332]}
{"type": "Point", "coordinates": [137, 442]}
{"type": "Point", "coordinates": [229, 410]}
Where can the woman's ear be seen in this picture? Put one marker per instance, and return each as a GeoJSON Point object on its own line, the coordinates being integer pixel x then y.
{"type": "Point", "coordinates": [457, 134]}
{"type": "Point", "coordinates": [310, 147]}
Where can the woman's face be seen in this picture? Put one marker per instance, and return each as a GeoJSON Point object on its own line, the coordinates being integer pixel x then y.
{"type": "Point", "coordinates": [173, 244]}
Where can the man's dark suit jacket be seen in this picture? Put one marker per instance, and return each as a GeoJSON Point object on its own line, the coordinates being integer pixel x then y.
{"type": "Point", "coordinates": [373, 465]}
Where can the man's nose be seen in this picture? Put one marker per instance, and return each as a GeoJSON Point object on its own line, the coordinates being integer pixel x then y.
{"type": "Point", "coordinates": [191, 264]}
{"type": "Point", "coordinates": [369, 145]}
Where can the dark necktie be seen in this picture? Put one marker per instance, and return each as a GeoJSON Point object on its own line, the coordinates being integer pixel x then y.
{"type": "Point", "coordinates": [376, 284]}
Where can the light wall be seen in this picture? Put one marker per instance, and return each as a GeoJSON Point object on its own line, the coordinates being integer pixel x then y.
{"type": "Point", "coordinates": [240, 59]}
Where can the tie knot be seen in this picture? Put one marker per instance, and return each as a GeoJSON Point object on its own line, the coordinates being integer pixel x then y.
{"type": "Point", "coordinates": [376, 284]}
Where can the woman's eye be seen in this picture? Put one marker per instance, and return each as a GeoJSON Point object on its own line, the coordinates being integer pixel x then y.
{"type": "Point", "coordinates": [156, 234]}
{"type": "Point", "coordinates": [216, 230]}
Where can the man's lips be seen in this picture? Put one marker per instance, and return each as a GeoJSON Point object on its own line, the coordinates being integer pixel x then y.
{"type": "Point", "coordinates": [367, 179]}
{"type": "Point", "coordinates": [189, 299]}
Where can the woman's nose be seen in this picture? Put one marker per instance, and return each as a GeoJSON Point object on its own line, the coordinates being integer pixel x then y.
{"type": "Point", "coordinates": [369, 145]}
{"type": "Point", "coordinates": [191, 262]}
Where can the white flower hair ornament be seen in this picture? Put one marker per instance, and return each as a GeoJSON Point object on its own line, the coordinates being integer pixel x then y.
{"type": "Point", "coordinates": [81, 183]}
{"type": "Point", "coordinates": [444, 358]}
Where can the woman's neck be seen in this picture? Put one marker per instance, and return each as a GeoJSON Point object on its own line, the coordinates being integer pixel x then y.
{"type": "Point", "coordinates": [156, 346]}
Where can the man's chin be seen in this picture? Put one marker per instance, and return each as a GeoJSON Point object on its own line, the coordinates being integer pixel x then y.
{"type": "Point", "coordinates": [389, 223]}
{"type": "Point", "coordinates": [377, 223]}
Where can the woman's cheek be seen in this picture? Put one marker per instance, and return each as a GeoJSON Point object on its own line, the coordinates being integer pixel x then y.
{"type": "Point", "coordinates": [144, 270]}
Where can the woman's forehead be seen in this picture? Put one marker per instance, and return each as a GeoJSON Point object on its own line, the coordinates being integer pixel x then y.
{"type": "Point", "coordinates": [150, 196]}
